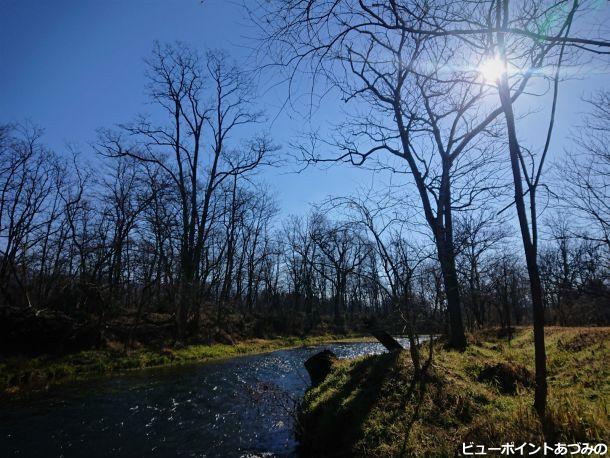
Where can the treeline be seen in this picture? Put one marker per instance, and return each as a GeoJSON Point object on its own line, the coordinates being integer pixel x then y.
{"type": "Point", "coordinates": [166, 233]}
{"type": "Point", "coordinates": [100, 244]}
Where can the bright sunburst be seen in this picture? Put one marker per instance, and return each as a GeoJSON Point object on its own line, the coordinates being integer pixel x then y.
{"type": "Point", "coordinates": [491, 69]}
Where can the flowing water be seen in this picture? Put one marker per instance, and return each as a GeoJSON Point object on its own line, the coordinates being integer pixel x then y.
{"type": "Point", "coordinates": [239, 407]}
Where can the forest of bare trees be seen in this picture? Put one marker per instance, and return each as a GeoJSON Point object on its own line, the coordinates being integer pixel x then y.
{"type": "Point", "coordinates": [129, 239]}
{"type": "Point", "coordinates": [164, 229]}
{"type": "Point", "coordinates": [441, 82]}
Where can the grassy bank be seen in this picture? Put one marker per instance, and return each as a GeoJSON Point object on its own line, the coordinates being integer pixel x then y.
{"type": "Point", "coordinates": [371, 407]}
{"type": "Point", "coordinates": [19, 374]}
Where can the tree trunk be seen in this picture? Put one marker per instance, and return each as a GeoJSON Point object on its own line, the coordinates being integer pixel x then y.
{"type": "Point", "coordinates": [530, 252]}
{"type": "Point", "coordinates": [446, 256]}
{"type": "Point", "coordinates": [185, 298]}
{"type": "Point", "coordinates": [385, 339]}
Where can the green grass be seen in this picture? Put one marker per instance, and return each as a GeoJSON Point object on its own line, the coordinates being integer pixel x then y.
{"type": "Point", "coordinates": [20, 374]}
{"type": "Point", "coordinates": [370, 407]}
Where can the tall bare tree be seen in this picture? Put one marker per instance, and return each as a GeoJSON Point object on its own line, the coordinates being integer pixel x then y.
{"type": "Point", "coordinates": [423, 105]}
{"type": "Point", "coordinates": [205, 102]}
{"type": "Point", "coordinates": [27, 184]}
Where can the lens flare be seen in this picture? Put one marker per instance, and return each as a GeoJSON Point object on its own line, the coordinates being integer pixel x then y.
{"type": "Point", "coordinates": [491, 70]}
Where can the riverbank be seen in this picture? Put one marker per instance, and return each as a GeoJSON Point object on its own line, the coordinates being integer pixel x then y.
{"type": "Point", "coordinates": [371, 407]}
{"type": "Point", "coordinates": [20, 374]}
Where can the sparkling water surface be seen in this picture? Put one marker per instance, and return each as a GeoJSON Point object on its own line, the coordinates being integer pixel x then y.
{"type": "Point", "coordinates": [239, 407]}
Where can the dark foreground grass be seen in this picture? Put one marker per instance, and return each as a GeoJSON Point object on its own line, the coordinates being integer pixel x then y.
{"type": "Point", "coordinates": [18, 374]}
{"type": "Point", "coordinates": [372, 407]}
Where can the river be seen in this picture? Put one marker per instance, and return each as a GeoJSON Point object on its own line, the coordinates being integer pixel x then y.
{"type": "Point", "coordinates": [239, 407]}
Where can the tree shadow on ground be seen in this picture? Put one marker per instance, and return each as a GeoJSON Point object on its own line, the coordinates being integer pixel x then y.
{"type": "Point", "coordinates": [337, 422]}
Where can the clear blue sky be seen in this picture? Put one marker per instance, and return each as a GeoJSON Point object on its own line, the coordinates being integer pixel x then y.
{"type": "Point", "coordinates": [73, 66]}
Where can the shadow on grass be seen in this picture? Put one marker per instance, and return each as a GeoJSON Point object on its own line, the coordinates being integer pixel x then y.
{"type": "Point", "coordinates": [417, 387]}
{"type": "Point", "coordinates": [334, 424]}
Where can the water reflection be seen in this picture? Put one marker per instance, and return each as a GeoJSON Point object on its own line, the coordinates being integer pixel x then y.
{"type": "Point", "coordinates": [237, 407]}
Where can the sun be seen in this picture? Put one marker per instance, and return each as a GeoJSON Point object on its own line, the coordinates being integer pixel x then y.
{"type": "Point", "coordinates": [491, 70]}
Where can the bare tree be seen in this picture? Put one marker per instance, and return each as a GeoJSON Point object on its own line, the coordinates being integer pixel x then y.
{"type": "Point", "coordinates": [586, 176]}
{"type": "Point", "coordinates": [343, 252]}
{"type": "Point", "coordinates": [205, 103]}
{"type": "Point", "coordinates": [527, 54]}
{"type": "Point", "coordinates": [478, 234]}
{"type": "Point", "coordinates": [27, 183]}
{"type": "Point", "coordinates": [400, 260]}
{"type": "Point", "coordinates": [424, 106]}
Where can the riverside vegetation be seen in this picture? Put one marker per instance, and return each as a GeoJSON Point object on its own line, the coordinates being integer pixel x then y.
{"type": "Point", "coordinates": [371, 406]}
{"type": "Point", "coordinates": [19, 374]}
